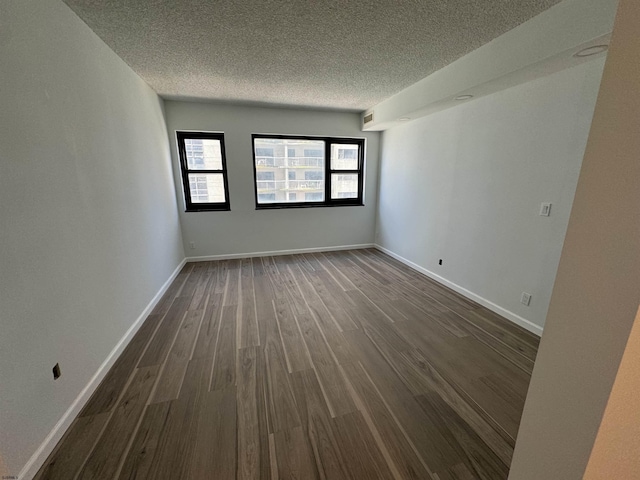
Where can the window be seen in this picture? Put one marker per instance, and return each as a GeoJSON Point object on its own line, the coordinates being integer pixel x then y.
{"type": "Point", "coordinates": [313, 197]}
{"type": "Point", "coordinates": [266, 176]}
{"type": "Point", "coordinates": [204, 171]}
{"type": "Point", "coordinates": [346, 194]}
{"type": "Point", "coordinates": [265, 183]}
{"type": "Point", "coordinates": [314, 175]}
{"type": "Point", "coordinates": [266, 197]}
{"type": "Point", "coordinates": [264, 152]}
{"type": "Point", "coordinates": [347, 153]}
{"type": "Point", "coordinates": [313, 152]}
{"type": "Point", "coordinates": [331, 171]}
{"type": "Point", "coordinates": [264, 157]}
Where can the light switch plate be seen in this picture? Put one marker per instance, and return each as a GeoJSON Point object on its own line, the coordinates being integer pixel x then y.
{"type": "Point", "coordinates": [545, 209]}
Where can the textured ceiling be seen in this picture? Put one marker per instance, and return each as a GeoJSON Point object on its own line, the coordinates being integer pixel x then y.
{"type": "Point", "coordinates": [317, 53]}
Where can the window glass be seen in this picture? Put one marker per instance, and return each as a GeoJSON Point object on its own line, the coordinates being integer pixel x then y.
{"type": "Point", "coordinates": [344, 186]}
{"type": "Point", "coordinates": [344, 157]}
{"type": "Point", "coordinates": [266, 197]}
{"type": "Point", "coordinates": [266, 175]}
{"type": "Point", "coordinates": [203, 154]}
{"type": "Point", "coordinates": [207, 188]}
{"type": "Point", "coordinates": [314, 152]}
{"type": "Point", "coordinates": [277, 177]}
{"type": "Point", "coordinates": [293, 170]}
{"type": "Point", "coordinates": [204, 173]}
{"type": "Point", "coordinates": [314, 197]}
{"type": "Point", "coordinates": [314, 175]}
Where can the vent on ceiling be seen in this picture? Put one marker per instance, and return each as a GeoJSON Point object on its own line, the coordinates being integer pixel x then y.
{"type": "Point", "coordinates": [368, 118]}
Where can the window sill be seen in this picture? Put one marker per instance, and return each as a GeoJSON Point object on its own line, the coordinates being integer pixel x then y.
{"type": "Point", "coordinates": [312, 205]}
{"type": "Point", "coordinates": [208, 209]}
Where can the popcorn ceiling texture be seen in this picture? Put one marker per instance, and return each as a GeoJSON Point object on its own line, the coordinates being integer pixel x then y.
{"type": "Point", "coordinates": [346, 55]}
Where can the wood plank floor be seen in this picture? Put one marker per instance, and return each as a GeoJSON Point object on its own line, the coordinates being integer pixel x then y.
{"type": "Point", "coordinates": [341, 365]}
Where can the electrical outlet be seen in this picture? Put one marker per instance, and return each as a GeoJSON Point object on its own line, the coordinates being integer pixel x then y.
{"type": "Point", "coordinates": [192, 245]}
{"type": "Point", "coordinates": [525, 299]}
{"type": "Point", "coordinates": [56, 371]}
{"type": "Point", "coordinates": [545, 209]}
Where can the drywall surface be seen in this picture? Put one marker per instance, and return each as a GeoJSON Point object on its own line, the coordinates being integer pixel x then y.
{"type": "Point", "coordinates": [89, 230]}
{"type": "Point", "coordinates": [540, 46]}
{"type": "Point", "coordinates": [246, 230]}
{"type": "Point", "coordinates": [615, 452]}
{"type": "Point", "coordinates": [465, 185]}
{"type": "Point", "coordinates": [596, 294]}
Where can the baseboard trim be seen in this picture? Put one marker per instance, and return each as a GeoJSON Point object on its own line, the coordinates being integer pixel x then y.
{"type": "Point", "coordinates": [206, 258]}
{"type": "Point", "coordinates": [517, 319]}
{"type": "Point", "coordinates": [42, 453]}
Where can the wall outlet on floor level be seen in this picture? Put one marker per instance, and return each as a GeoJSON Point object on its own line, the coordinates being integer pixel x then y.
{"type": "Point", "coordinates": [192, 245]}
{"type": "Point", "coordinates": [525, 299]}
{"type": "Point", "coordinates": [56, 371]}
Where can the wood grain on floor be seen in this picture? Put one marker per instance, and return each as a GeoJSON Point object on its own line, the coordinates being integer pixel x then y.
{"type": "Point", "coordinates": [337, 365]}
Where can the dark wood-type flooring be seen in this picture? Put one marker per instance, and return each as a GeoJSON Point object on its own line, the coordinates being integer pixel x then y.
{"type": "Point", "coordinates": [341, 365]}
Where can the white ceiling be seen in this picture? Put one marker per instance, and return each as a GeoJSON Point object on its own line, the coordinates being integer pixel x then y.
{"type": "Point", "coordinates": [347, 55]}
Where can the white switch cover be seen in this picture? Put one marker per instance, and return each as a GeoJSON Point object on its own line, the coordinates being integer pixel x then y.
{"type": "Point", "coordinates": [545, 209]}
{"type": "Point", "coordinates": [525, 299]}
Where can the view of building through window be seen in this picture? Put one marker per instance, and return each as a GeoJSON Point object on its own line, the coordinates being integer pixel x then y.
{"type": "Point", "coordinates": [205, 154]}
{"type": "Point", "coordinates": [344, 157]}
{"type": "Point", "coordinates": [290, 170]}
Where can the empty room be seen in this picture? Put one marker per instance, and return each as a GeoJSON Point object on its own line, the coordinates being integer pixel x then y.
{"type": "Point", "coordinates": [319, 240]}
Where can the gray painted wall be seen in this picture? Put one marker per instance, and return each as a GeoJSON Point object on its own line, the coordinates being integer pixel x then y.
{"type": "Point", "coordinates": [246, 230]}
{"type": "Point", "coordinates": [465, 185]}
{"type": "Point", "coordinates": [596, 296]}
{"type": "Point", "coordinates": [89, 230]}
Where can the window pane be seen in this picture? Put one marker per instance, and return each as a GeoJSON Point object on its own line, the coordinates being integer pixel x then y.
{"type": "Point", "coordinates": [203, 154]}
{"type": "Point", "coordinates": [288, 166]}
{"type": "Point", "coordinates": [206, 188]}
{"type": "Point", "coordinates": [264, 152]}
{"type": "Point", "coordinates": [262, 175]}
{"type": "Point", "coordinates": [315, 152]}
{"type": "Point", "coordinates": [344, 157]}
{"type": "Point", "coordinates": [314, 197]}
{"type": "Point", "coordinates": [314, 175]}
{"type": "Point", "coordinates": [266, 197]}
{"type": "Point", "coordinates": [344, 186]}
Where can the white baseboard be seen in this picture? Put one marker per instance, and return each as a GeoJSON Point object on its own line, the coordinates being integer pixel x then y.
{"type": "Point", "coordinates": [517, 319]}
{"type": "Point", "coordinates": [279, 252]}
{"type": "Point", "coordinates": [42, 453]}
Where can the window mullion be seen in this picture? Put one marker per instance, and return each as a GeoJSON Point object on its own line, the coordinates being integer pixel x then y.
{"type": "Point", "coordinates": [327, 171]}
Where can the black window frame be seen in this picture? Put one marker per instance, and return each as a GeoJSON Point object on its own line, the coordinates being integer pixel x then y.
{"type": "Point", "coordinates": [328, 201]}
{"type": "Point", "coordinates": [191, 206]}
